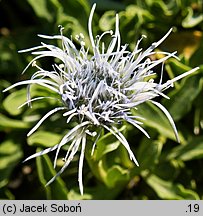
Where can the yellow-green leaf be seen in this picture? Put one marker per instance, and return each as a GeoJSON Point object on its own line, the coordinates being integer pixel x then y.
{"type": "Point", "coordinates": [168, 190]}
{"type": "Point", "coordinates": [192, 150]}
{"type": "Point", "coordinates": [14, 100]}
{"type": "Point", "coordinates": [57, 189]}
{"type": "Point", "coordinates": [44, 139]}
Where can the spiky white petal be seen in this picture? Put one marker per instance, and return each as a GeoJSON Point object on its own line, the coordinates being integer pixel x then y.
{"type": "Point", "coordinates": [98, 90]}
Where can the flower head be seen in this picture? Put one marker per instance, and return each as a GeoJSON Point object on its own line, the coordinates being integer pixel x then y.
{"type": "Point", "coordinates": [99, 90]}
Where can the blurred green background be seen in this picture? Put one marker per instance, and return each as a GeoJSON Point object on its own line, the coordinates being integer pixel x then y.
{"type": "Point", "coordinates": [168, 170]}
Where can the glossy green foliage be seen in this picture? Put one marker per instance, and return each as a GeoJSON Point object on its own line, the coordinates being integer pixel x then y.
{"type": "Point", "coordinates": [57, 190]}
{"type": "Point", "coordinates": [168, 169]}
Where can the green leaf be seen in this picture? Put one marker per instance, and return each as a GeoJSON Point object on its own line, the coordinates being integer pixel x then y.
{"type": "Point", "coordinates": [44, 139]}
{"type": "Point", "coordinates": [73, 27]}
{"type": "Point", "coordinates": [160, 8]}
{"type": "Point", "coordinates": [116, 176]}
{"type": "Point", "coordinates": [176, 66]}
{"type": "Point", "coordinates": [95, 166]}
{"type": "Point", "coordinates": [72, 9]}
{"type": "Point", "coordinates": [115, 182]}
{"type": "Point", "coordinates": [8, 123]}
{"type": "Point", "coordinates": [148, 153]}
{"type": "Point", "coordinates": [17, 98]}
{"type": "Point", "coordinates": [98, 192]}
{"type": "Point", "coordinates": [108, 151]}
{"type": "Point", "coordinates": [56, 190]}
{"type": "Point", "coordinates": [191, 20]}
{"type": "Point", "coordinates": [10, 154]}
{"type": "Point", "coordinates": [143, 15]}
{"type": "Point", "coordinates": [155, 118]}
{"type": "Point", "coordinates": [181, 99]}
{"type": "Point", "coordinates": [122, 157]}
{"type": "Point", "coordinates": [109, 5]}
{"type": "Point", "coordinates": [169, 191]}
{"type": "Point", "coordinates": [104, 145]}
{"type": "Point", "coordinates": [75, 195]}
{"type": "Point", "coordinates": [6, 194]}
{"type": "Point", "coordinates": [44, 8]}
{"type": "Point", "coordinates": [107, 21]}
{"type": "Point", "coordinates": [14, 100]}
{"type": "Point", "coordinates": [192, 150]}
{"type": "Point", "coordinates": [73, 24]}
{"type": "Point", "coordinates": [168, 170]}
